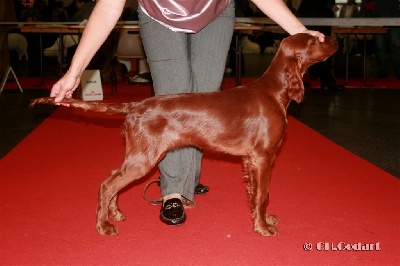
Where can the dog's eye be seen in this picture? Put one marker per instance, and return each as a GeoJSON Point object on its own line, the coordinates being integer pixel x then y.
{"type": "Point", "coordinates": [313, 41]}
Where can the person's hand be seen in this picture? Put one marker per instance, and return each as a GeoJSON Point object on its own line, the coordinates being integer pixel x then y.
{"type": "Point", "coordinates": [319, 35]}
{"type": "Point", "coordinates": [65, 87]}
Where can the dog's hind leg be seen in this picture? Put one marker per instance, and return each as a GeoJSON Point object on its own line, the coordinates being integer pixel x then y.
{"type": "Point", "coordinates": [130, 170]}
{"type": "Point", "coordinates": [114, 213]}
{"type": "Point", "coordinates": [108, 196]}
{"type": "Point", "coordinates": [264, 224]}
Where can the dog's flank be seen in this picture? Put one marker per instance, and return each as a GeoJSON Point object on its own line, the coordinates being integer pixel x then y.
{"type": "Point", "coordinates": [247, 121]}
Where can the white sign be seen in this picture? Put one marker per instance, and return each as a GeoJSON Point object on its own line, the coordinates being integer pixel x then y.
{"type": "Point", "coordinates": [91, 89]}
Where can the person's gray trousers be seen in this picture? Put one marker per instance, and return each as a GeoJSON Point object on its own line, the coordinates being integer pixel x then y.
{"type": "Point", "coordinates": [184, 63]}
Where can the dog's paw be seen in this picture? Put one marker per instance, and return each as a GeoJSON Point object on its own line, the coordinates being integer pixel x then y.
{"type": "Point", "coordinates": [269, 230]}
{"type": "Point", "coordinates": [272, 220]}
{"type": "Point", "coordinates": [107, 229]}
{"type": "Point", "coordinates": [117, 215]}
{"type": "Point", "coordinates": [269, 227]}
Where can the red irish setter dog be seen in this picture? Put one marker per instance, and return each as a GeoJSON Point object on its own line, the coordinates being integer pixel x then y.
{"type": "Point", "coordinates": [247, 121]}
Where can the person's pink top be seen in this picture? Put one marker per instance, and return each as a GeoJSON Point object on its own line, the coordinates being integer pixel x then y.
{"type": "Point", "coordinates": [188, 16]}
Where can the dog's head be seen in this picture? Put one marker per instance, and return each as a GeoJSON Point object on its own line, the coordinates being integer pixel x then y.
{"type": "Point", "coordinates": [308, 50]}
{"type": "Point", "coordinates": [299, 52]}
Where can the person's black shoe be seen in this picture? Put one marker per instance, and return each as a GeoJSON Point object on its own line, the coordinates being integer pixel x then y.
{"type": "Point", "coordinates": [201, 189]}
{"type": "Point", "coordinates": [172, 212]}
{"type": "Point", "coordinates": [332, 87]}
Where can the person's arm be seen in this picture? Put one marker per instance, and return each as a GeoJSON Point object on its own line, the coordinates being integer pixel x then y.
{"type": "Point", "coordinates": [280, 13]}
{"type": "Point", "coordinates": [101, 22]}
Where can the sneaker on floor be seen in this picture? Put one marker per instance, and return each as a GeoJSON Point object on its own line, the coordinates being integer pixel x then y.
{"type": "Point", "coordinates": [139, 79]}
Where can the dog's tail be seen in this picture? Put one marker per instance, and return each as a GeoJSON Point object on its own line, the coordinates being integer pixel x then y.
{"type": "Point", "coordinates": [109, 108]}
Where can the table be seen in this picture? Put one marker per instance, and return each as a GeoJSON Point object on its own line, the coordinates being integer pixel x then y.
{"type": "Point", "coordinates": [61, 29]}
{"type": "Point", "coordinates": [338, 22]}
{"type": "Point", "coordinates": [346, 26]}
{"type": "Point", "coordinates": [343, 26]}
{"type": "Point", "coordinates": [55, 28]}
{"type": "Point", "coordinates": [240, 29]}
{"type": "Point", "coordinates": [78, 29]}
{"type": "Point", "coordinates": [363, 31]}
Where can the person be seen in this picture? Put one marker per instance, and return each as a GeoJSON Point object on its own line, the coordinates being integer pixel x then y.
{"type": "Point", "coordinates": [59, 14]}
{"type": "Point", "coordinates": [385, 43]}
{"type": "Point", "coordinates": [184, 57]}
{"type": "Point", "coordinates": [85, 8]}
{"type": "Point", "coordinates": [143, 75]}
{"type": "Point", "coordinates": [321, 9]}
{"type": "Point", "coordinates": [73, 7]}
{"type": "Point", "coordinates": [349, 10]}
{"type": "Point", "coordinates": [289, 3]}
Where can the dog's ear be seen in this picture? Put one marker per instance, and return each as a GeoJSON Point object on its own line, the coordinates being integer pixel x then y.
{"type": "Point", "coordinates": [294, 81]}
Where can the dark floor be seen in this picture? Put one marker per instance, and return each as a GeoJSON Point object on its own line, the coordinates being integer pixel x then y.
{"type": "Point", "coordinates": [363, 121]}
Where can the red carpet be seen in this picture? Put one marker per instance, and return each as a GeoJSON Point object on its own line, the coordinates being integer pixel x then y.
{"type": "Point", "coordinates": [320, 192]}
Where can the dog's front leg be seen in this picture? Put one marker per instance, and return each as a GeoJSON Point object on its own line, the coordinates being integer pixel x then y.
{"type": "Point", "coordinates": [264, 224]}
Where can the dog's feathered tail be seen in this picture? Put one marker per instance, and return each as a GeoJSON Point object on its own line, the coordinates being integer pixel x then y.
{"type": "Point", "coordinates": [109, 108]}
